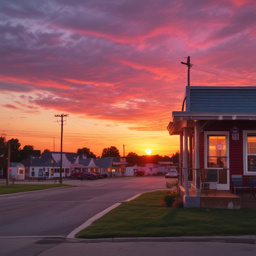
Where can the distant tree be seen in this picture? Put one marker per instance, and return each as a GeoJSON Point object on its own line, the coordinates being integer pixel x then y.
{"type": "Point", "coordinates": [3, 146]}
{"type": "Point", "coordinates": [132, 154]}
{"type": "Point", "coordinates": [46, 150]}
{"type": "Point", "coordinates": [28, 148]}
{"type": "Point", "coordinates": [112, 151]}
{"type": "Point", "coordinates": [175, 158]}
{"type": "Point", "coordinates": [87, 152]}
{"type": "Point", "coordinates": [26, 151]}
{"type": "Point", "coordinates": [15, 150]}
{"type": "Point", "coordinates": [3, 153]}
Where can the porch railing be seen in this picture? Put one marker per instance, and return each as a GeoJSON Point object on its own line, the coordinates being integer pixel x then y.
{"type": "Point", "coordinates": [213, 175]}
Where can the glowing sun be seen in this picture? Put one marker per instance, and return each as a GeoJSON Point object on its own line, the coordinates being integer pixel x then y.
{"type": "Point", "coordinates": [148, 151]}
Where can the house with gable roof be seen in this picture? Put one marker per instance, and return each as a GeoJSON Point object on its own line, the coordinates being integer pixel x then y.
{"type": "Point", "coordinates": [48, 165]}
{"type": "Point", "coordinates": [217, 131]}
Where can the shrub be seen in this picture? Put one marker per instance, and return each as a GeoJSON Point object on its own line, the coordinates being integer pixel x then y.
{"type": "Point", "coordinates": [177, 203]}
{"type": "Point", "coordinates": [169, 197]}
{"type": "Point", "coordinates": [172, 185]}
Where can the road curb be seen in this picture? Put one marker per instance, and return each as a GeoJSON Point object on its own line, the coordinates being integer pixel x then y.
{"type": "Point", "coordinates": [220, 239]}
{"type": "Point", "coordinates": [90, 221]}
{"type": "Point", "coordinates": [71, 236]}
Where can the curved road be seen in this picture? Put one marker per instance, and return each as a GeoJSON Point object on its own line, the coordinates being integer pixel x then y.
{"type": "Point", "coordinates": [57, 212]}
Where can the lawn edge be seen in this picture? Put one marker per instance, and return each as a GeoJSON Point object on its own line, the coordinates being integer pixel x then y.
{"type": "Point", "coordinates": [90, 221]}
{"type": "Point", "coordinates": [33, 191]}
{"type": "Point", "coordinates": [246, 239]}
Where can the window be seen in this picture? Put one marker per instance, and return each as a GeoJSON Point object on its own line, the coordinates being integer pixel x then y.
{"type": "Point", "coordinates": [216, 150]}
{"type": "Point", "coordinates": [249, 141]}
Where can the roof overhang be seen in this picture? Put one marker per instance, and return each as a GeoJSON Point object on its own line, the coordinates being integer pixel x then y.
{"type": "Point", "coordinates": [119, 163]}
{"type": "Point", "coordinates": [193, 115]}
{"type": "Point", "coordinates": [181, 119]}
{"type": "Point", "coordinates": [175, 127]}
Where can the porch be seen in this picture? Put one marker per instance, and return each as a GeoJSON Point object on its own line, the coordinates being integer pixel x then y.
{"type": "Point", "coordinates": [222, 199]}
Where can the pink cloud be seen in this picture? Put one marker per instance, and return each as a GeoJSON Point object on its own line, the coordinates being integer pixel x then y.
{"type": "Point", "coordinates": [120, 61]}
{"type": "Point", "coordinates": [10, 106]}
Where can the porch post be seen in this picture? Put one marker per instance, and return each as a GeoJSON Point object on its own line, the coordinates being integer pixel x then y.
{"type": "Point", "coordinates": [180, 158]}
{"type": "Point", "coordinates": [185, 160]}
{"type": "Point", "coordinates": [197, 164]}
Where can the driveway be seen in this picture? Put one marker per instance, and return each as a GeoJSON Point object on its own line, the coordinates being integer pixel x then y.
{"type": "Point", "coordinates": [57, 212]}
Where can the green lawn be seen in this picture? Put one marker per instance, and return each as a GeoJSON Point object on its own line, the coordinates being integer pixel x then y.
{"type": "Point", "coordinates": [145, 217]}
{"type": "Point", "coordinates": [16, 188]}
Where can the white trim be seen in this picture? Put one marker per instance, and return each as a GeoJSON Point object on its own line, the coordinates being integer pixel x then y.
{"type": "Point", "coordinates": [225, 133]}
{"type": "Point", "coordinates": [223, 87]}
{"type": "Point", "coordinates": [199, 115]}
{"type": "Point", "coordinates": [245, 132]}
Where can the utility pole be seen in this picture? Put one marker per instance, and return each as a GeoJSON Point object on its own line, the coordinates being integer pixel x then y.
{"type": "Point", "coordinates": [8, 165]}
{"type": "Point", "coordinates": [123, 151]}
{"type": "Point", "coordinates": [61, 138]}
{"type": "Point", "coordinates": [189, 66]}
{"type": "Point", "coordinates": [53, 144]}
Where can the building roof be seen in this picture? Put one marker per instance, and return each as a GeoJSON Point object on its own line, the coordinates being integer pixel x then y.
{"type": "Point", "coordinates": [13, 164]}
{"type": "Point", "coordinates": [199, 115]}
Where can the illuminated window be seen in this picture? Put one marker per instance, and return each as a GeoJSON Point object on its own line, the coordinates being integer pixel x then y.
{"type": "Point", "coordinates": [249, 142]}
{"type": "Point", "coordinates": [217, 151]}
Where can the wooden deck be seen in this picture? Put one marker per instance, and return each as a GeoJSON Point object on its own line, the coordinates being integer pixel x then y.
{"type": "Point", "coordinates": [214, 199]}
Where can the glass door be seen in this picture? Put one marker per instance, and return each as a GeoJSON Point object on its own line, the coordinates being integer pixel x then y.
{"type": "Point", "coordinates": [217, 157]}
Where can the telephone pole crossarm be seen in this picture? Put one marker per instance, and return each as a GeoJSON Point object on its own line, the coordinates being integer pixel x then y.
{"type": "Point", "coordinates": [189, 65]}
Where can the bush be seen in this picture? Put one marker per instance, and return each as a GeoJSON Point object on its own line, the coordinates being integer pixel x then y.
{"type": "Point", "coordinates": [177, 203]}
{"type": "Point", "coordinates": [172, 185]}
{"type": "Point", "coordinates": [169, 197]}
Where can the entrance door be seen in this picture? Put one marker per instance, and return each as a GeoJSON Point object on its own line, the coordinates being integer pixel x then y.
{"type": "Point", "coordinates": [216, 154]}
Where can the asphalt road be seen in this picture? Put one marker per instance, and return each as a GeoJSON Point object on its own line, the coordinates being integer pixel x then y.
{"type": "Point", "coordinates": [58, 212]}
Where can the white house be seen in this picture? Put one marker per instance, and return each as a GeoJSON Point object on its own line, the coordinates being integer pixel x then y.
{"type": "Point", "coordinates": [17, 171]}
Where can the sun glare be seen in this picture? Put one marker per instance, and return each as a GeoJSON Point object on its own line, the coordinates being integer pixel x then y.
{"type": "Point", "coordinates": [148, 151]}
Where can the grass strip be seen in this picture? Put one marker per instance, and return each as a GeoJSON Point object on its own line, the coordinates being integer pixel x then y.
{"type": "Point", "coordinates": [145, 217]}
{"type": "Point", "coordinates": [16, 188]}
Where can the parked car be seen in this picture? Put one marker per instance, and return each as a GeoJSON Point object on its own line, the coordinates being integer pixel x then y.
{"type": "Point", "coordinates": [75, 174]}
{"type": "Point", "coordinates": [104, 175]}
{"type": "Point", "coordinates": [87, 176]}
{"type": "Point", "coordinates": [99, 176]}
{"type": "Point", "coordinates": [172, 174]}
{"type": "Point", "coordinates": [92, 176]}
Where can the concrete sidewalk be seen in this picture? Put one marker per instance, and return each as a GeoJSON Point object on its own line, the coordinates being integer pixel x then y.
{"type": "Point", "coordinates": [150, 246]}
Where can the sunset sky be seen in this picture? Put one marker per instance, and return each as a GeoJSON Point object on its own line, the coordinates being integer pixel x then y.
{"type": "Point", "coordinates": [114, 67]}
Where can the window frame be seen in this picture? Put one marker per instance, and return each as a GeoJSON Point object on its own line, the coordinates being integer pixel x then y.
{"type": "Point", "coordinates": [245, 155]}
{"type": "Point", "coordinates": [215, 133]}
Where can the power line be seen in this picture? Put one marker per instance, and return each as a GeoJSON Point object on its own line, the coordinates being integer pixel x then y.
{"type": "Point", "coordinates": [224, 76]}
